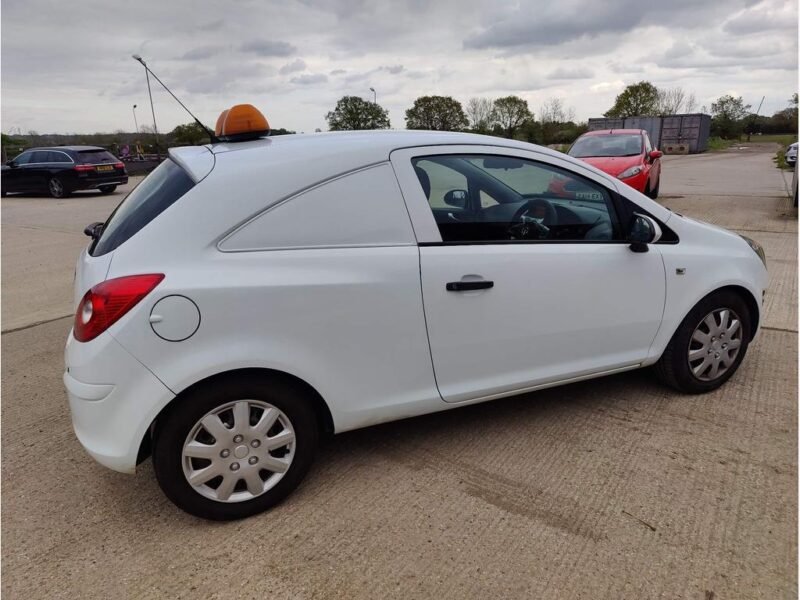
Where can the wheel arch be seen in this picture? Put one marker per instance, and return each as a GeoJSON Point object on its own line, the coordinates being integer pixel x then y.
{"type": "Point", "coordinates": [321, 409]}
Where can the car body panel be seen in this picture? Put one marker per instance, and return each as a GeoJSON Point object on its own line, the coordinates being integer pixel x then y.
{"type": "Point", "coordinates": [350, 321]}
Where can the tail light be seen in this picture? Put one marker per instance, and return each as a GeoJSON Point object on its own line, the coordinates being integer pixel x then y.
{"type": "Point", "coordinates": [119, 165]}
{"type": "Point", "coordinates": [84, 167]}
{"type": "Point", "coordinates": [107, 302]}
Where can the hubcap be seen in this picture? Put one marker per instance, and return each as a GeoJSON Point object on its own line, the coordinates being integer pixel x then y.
{"type": "Point", "coordinates": [238, 451]}
{"type": "Point", "coordinates": [56, 187]}
{"type": "Point", "coordinates": [715, 344]}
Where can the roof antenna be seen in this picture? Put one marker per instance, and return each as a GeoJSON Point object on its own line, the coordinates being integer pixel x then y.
{"type": "Point", "coordinates": [211, 136]}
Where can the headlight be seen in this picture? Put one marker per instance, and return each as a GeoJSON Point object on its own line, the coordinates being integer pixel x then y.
{"type": "Point", "coordinates": [756, 248]}
{"type": "Point", "coordinates": [629, 172]}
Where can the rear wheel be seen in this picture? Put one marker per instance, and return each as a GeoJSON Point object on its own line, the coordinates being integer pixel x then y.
{"type": "Point", "coordinates": [709, 345]}
{"type": "Point", "coordinates": [57, 188]}
{"type": "Point", "coordinates": [107, 189]}
{"type": "Point", "coordinates": [234, 448]}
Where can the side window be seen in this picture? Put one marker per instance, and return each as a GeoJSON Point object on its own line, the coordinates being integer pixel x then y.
{"type": "Point", "coordinates": [57, 157]}
{"type": "Point", "coordinates": [39, 156]}
{"type": "Point", "coordinates": [515, 199]}
{"type": "Point", "coordinates": [364, 208]}
{"type": "Point", "coordinates": [23, 159]}
{"type": "Point", "coordinates": [647, 146]}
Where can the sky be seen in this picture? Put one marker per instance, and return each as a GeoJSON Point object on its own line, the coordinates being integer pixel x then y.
{"type": "Point", "coordinates": [67, 66]}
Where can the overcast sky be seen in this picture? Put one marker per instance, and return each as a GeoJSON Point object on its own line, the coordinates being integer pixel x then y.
{"type": "Point", "coordinates": [66, 66]}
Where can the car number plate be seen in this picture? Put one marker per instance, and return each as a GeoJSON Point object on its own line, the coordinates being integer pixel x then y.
{"type": "Point", "coordinates": [105, 168]}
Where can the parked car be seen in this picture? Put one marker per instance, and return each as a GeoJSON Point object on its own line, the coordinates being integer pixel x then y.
{"type": "Point", "coordinates": [626, 154]}
{"type": "Point", "coordinates": [249, 297]}
{"type": "Point", "coordinates": [791, 154]}
{"type": "Point", "coordinates": [61, 170]}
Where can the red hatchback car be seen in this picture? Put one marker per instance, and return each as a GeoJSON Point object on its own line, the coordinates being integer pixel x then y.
{"type": "Point", "coordinates": [627, 154]}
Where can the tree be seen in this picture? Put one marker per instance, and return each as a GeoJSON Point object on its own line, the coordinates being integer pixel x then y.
{"type": "Point", "coordinates": [190, 134]}
{"type": "Point", "coordinates": [638, 99]}
{"type": "Point", "coordinates": [728, 115]}
{"type": "Point", "coordinates": [511, 112]}
{"type": "Point", "coordinates": [554, 111]}
{"type": "Point", "coordinates": [480, 112]}
{"type": "Point", "coordinates": [353, 112]}
{"type": "Point", "coordinates": [671, 101]}
{"type": "Point", "coordinates": [439, 113]}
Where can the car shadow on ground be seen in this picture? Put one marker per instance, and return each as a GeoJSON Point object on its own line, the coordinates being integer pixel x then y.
{"type": "Point", "coordinates": [427, 440]}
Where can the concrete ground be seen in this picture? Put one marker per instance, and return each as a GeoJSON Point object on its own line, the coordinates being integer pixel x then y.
{"type": "Point", "coordinates": [616, 488]}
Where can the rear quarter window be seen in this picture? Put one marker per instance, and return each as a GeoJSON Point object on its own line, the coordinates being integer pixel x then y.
{"type": "Point", "coordinates": [159, 190]}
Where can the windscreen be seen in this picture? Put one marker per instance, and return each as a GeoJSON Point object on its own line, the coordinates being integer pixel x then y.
{"type": "Point", "coordinates": [95, 157]}
{"type": "Point", "coordinates": [159, 190]}
{"type": "Point", "coordinates": [607, 145]}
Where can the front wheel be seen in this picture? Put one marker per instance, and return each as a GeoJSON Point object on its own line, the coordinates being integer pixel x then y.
{"type": "Point", "coordinates": [235, 447]}
{"type": "Point", "coordinates": [654, 192]}
{"type": "Point", "coordinates": [107, 189]}
{"type": "Point", "coordinates": [708, 346]}
{"type": "Point", "coordinates": [57, 188]}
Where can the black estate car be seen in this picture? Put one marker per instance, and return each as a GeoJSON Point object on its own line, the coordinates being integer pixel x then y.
{"type": "Point", "coordinates": [62, 170]}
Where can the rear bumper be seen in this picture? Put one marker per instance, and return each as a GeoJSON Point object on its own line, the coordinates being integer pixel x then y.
{"type": "Point", "coordinates": [113, 400]}
{"type": "Point", "coordinates": [91, 183]}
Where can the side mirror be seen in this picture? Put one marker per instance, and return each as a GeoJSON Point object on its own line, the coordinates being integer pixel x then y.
{"type": "Point", "coordinates": [93, 230]}
{"type": "Point", "coordinates": [642, 230]}
{"type": "Point", "coordinates": [654, 154]}
{"type": "Point", "coordinates": [11, 163]}
{"type": "Point", "coordinates": [456, 198]}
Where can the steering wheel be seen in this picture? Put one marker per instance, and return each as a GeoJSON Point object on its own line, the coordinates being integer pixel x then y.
{"type": "Point", "coordinates": [533, 220]}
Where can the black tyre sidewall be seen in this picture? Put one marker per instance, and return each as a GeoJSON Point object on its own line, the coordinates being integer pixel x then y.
{"type": "Point", "coordinates": [64, 193]}
{"type": "Point", "coordinates": [107, 189]}
{"type": "Point", "coordinates": [175, 424]}
{"type": "Point", "coordinates": [683, 375]}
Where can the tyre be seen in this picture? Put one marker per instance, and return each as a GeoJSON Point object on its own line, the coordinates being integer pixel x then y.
{"type": "Point", "coordinates": [107, 189]}
{"type": "Point", "coordinates": [654, 192]}
{"type": "Point", "coordinates": [235, 447]}
{"type": "Point", "coordinates": [57, 188]}
{"type": "Point", "coordinates": [708, 346]}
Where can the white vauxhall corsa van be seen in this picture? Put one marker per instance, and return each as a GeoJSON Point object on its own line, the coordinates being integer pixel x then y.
{"type": "Point", "coordinates": [250, 296]}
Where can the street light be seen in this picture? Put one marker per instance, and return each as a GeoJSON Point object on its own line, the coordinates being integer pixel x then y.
{"type": "Point", "coordinates": [374, 95]}
{"type": "Point", "coordinates": [139, 59]}
{"type": "Point", "coordinates": [135, 122]}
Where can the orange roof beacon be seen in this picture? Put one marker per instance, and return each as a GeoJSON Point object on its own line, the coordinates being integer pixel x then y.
{"type": "Point", "coordinates": [240, 123]}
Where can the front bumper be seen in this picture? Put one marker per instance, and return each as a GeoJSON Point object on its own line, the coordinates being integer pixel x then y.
{"type": "Point", "coordinates": [113, 399]}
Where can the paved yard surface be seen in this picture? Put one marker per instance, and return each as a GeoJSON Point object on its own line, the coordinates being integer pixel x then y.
{"type": "Point", "coordinates": [616, 488]}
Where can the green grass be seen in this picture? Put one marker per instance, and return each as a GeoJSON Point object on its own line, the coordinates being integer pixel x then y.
{"type": "Point", "coordinates": [715, 144]}
{"type": "Point", "coordinates": [784, 139]}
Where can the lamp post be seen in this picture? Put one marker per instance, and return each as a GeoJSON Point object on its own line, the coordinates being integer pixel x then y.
{"type": "Point", "coordinates": [139, 59]}
{"type": "Point", "coordinates": [374, 95]}
{"type": "Point", "coordinates": [135, 122]}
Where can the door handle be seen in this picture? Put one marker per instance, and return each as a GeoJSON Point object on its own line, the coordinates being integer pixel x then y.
{"type": "Point", "coordinates": [466, 286]}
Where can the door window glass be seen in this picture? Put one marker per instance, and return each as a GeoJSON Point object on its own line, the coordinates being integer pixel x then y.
{"type": "Point", "coordinates": [507, 199]}
{"type": "Point", "coordinates": [39, 156]}
{"type": "Point", "coordinates": [23, 159]}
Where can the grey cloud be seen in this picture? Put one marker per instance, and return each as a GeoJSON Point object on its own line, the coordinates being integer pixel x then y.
{"type": "Point", "coordinates": [394, 69]}
{"type": "Point", "coordinates": [571, 73]}
{"type": "Point", "coordinates": [212, 26]}
{"type": "Point", "coordinates": [201, 53]}
{"type": "Point", "coordinates": [309, 79]}
{"type": "Point", "coordinates": [761, 17]}
{"type": "Point", "coordinates": [268, 48]}
{"type": "Point", "coordinates": [294, 66]}
{"type": "Point", "coordinates": [338, 72]}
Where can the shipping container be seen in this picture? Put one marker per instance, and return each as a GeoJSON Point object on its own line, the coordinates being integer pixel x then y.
{"type": "Point", "coordinates": [685, 134]}
{"type": "Point", "coordinates": [674, 134]}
